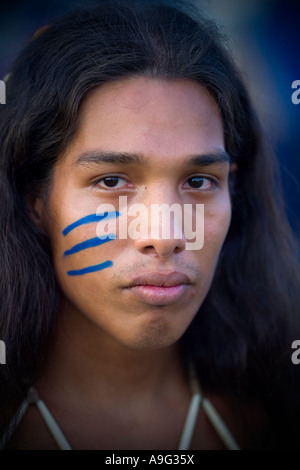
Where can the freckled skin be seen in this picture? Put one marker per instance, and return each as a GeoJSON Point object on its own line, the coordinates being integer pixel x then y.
{"type": "Point", "coordinates": [167, 122]}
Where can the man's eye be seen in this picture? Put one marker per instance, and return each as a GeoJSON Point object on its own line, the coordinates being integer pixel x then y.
{"type": "Point", "coordinates": [200, 182]}
{"type": "Point", "coordinates": [114, 182]}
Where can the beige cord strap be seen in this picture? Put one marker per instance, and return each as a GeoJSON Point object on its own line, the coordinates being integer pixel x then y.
{"type": "Point", "coordinates": [192, 414]}
{"type": "Point", "coordinates": [13, 425]}
{"type": "Point", "coordinates": [219, 425]}
{"type": "Point", "coordinates": [212, 414]}
{"type": "Point", "coordinates": [188, 428]}
{"type": "Point", "coordinates": [53, 427]}
{"type": "Point", "coordinates": [190, 421]}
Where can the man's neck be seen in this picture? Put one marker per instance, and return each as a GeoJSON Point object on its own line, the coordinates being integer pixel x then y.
{"type": "Point", "coordinates": [87, 362]}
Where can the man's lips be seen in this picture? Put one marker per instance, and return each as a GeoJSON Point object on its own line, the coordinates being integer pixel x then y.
{"type": "Point", "coordinates": [158, 288]}
{"type": "Point", "coordinates": [159, 279]}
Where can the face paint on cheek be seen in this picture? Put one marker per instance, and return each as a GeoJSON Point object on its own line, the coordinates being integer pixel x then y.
{"type": "Point", "coordinates": [90, 269]}
{"type": "Point", "coordinates": [89, 219]}
{"type": "Point", "coordinates": [92, 242]}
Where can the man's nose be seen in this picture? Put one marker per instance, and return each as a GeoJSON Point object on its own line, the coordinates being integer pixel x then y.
{"type": "Point", "coordinates": [165, 226]}
{"type": "Point", "coordinates": [158, 246]}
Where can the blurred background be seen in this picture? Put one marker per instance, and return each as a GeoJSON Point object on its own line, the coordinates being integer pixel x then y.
{"type": "Point", "coordinates": [265, 41]}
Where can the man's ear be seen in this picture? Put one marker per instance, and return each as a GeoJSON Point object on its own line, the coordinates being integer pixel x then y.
{"type": "Point", "coordinates": [36, 209]}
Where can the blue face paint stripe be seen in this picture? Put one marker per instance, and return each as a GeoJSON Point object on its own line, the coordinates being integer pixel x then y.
{"type": "Point", "coordinates": [89, 219]}
{"type": "Point", "coordinates": [90, 269]}
{"type": "Point", "coordinates": [92, 242]}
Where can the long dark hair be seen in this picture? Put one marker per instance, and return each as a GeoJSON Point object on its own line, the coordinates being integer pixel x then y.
{"type": "Point", "coordinates": [241, 338]}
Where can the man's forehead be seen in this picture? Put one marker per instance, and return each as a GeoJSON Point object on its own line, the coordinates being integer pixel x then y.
{"type": "Point", "coordinates": [182, 124]}
{"type": "Point", "coordinates": [141, 93]}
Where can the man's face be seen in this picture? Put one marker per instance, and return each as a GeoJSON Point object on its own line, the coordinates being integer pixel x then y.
{"type": "Point", "coordinates": [154, 142]}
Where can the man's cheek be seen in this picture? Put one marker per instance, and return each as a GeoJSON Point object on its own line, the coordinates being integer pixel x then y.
{"type": "Point", "coordinates": [79, 250]}
{"type": "Point", "coordinates": [87, 291]}
{"type": "Point", "coordinates": [216, 226]}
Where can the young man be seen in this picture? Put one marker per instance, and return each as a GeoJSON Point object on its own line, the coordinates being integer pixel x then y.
{"type": "Point", "coordinates": [111, 319]}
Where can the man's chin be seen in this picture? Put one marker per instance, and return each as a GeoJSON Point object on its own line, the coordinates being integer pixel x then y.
{"type": "Point", "coordinates": [156, 333]}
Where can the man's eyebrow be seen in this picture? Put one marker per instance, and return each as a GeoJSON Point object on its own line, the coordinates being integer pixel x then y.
{"type": "Point", "coordinates": [127, 158]}
{"type": "Point", "coordinates": [211, 158]}
{"type": "Point", "coordinates": [101, 157]}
